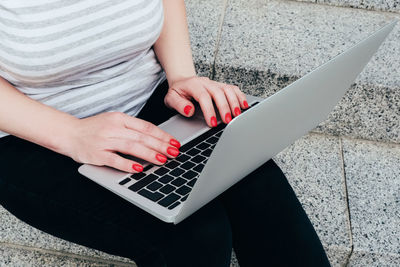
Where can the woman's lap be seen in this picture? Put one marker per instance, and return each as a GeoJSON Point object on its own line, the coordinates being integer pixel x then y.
{"type": "Point", "coordinates": [52, 196]}
{"type": "Point", "coordinates": [260, 215]}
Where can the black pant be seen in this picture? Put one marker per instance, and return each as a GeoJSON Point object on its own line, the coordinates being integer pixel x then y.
{"type": "Point", "coordinates": [260, 216]}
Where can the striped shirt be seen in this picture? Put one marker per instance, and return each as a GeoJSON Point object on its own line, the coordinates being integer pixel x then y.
{"type": "Point", "coordinates": [82, 57]}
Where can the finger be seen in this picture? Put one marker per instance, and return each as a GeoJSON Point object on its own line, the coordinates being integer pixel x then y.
{"type": "Point", "coordinates": [147, 128]}
{"type": "Point", "coordinates": [170, 149]}
{"type": "Point", "coordinates": [181, 104]}
{"type": "Point", "coordinates": [115, 161]}
{"type": "Point", "coordinates": [202, 96]}
{"type": "Point", "coordinates": [232, 99]}
{"type": "Point", "coordinates": [138, 150]}
{"type": "Point", "coordinates": [220, 100]}
{"type": "Point", "coordinates": [241, 97]}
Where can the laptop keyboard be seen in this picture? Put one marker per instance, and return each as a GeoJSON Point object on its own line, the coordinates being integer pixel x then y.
{"type": "Point", "coordinates": [170, 184]}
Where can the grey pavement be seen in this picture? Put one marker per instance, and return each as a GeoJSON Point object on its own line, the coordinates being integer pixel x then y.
{"type": "Point", "coordinates": [382, 5]}
{"type": "Point", "coordinates": [266, 45]}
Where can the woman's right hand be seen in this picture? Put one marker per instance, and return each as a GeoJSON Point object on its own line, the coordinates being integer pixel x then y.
{"type": "Point", "coordinates": [96, 140]}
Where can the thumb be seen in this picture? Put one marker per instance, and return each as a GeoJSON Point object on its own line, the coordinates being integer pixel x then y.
{"type": "Point", "coordinates": [174, 100]}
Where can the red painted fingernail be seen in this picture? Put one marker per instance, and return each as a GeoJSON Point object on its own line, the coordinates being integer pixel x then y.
{"type": "Point", "coordinates": [173, 151]}
{"type": "Point", "coordinates": [213, 121]}
{"type": "Point", "coordinates": [187, 109]}
{"type": "Point", "coordinates": [175, 143]}
{"type": "Point", "coordinates": [161, 158]}
{"type": "Point", "coordinates": [245, 104]}
{"type": "Point", "coordinates": [137, 167]}
{"type": "Point", "coordinates": [237, 111]}
{"type": "Point", "coordinates": [228, 117]}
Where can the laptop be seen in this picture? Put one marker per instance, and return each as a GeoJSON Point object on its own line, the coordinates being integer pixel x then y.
{"type": "Point", "coordinates": [212, 160]}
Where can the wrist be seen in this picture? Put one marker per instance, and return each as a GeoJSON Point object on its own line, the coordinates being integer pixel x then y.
{"type": "Point", "coordinates": [177, 78]}
{"type": "Point", "coordinates": [62, 135]}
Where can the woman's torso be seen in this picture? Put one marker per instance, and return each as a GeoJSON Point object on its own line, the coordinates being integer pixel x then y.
{"type": "Point", "coordinates": [83, 57]}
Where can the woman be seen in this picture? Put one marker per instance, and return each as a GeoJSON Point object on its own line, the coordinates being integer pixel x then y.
{"type": "Point", "coordinates": [85, 80]}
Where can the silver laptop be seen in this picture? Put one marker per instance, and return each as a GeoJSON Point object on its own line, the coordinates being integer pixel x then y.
{"type": "Point", "coordinates": [212, 160]}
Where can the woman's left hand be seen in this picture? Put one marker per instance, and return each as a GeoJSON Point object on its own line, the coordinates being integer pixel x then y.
{"type": "Point", "coordinates": [228, 98]}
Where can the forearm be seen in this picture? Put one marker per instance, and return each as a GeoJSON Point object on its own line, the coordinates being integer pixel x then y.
{"type": "Point", "coordinates": [32, 120]}
{"type": "Point", "coordinates": [173, 46]}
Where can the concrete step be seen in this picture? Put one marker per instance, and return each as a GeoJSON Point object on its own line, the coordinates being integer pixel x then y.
{"type": "Point", "coordinates": [266, 45]}
{"type": "Point", "coordinates": [386, 5]}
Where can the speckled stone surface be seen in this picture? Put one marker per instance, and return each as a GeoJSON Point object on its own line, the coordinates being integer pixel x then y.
{"type": "Point", "coordinates": [383, 5]}
{"type": "Point", "coordinates": [366, 258]}
{"type": "Point", "coordinates": [266, 45]}
{"type": "Point", "coordinates": [204, 17]}
{"type": "Point", "coordinates": [373, 183]}
{"type": "Point", "coordinates": [15, 231]}
{"type": "Point", "coordinates": [10, 256]}
{"type": "Point", "coordinates": [313, 167]}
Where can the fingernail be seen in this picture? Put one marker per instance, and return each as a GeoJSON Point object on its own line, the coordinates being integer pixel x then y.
{"type": "Point", "coordinates": [213, 121]}
{"type": "Point", "coordinates": [175, 143]}
{"type": "Point", "coordinates": [137, 167]}
{"type": "Point", "coordinates": [237, 111]}
{"type": "Point", "coordinates": [161, 158]}
{"type": "Point", "coordinates": [173, 151]}
{"type": "Point", "coordinates": [228, 117]}
{"type": "Point", "coordinates": [245, 104]}
{"type": "Point", "coordinates": [187, 109]}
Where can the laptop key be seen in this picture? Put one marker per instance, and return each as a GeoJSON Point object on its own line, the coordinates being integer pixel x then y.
{"type": "Point", "coordinates": [168, 200]}
{"type": "Point", "coordinates": [125, 181]}
{"type": "Point", "coordinates": [176, 172]}
{"type": "Point", "coordinates": [148, 167]}
{"type": "Point", "coordinates": [198, 159]}
{"type": "Point", "coordinates": [138, 176]}
{"type": "Point", "coordinates": [183, 190]}
{"type": "Point", "coordinates": [184, 198]}
{"type": "Point", "coordinates": [189, 175]}
{"type": "Point", "coordinates": [199, 168]}
{"type": "Point", "coordinates": [161, 171]}
{"type": "Point", "coordinates": [142, 183]}
{"type": "Point", "coordinates": [193, 152]}
{"type": "Point", "coordinates": [212, 140]}
{"type": "Point", "coordinates": [154, 196]}
{"type": "Point", "coordinates": [154, 186]}
{"type": "Point", "coordinates": [182, 158]}
{"type": "Point", "coordinates": [191, 182]}
{"type": "Point", "coordinates": [218, 134]}
{"type": "Point", "coordinates": [166, 179]}
{"type": "Point", "coordinates": [172, 165]}
{"type": "Point", "coordinates": [203, 146]}
{"type": "Point", "coordinates": [174, 205]}
{"type": "Point", "coordinates": [187, 165]}
{"type": "Point", "coordinates": [166, 189]}
{"type": "Point", "coordinates": [178, 181]}
{"type": "Point", "coordinates": [207, 152]}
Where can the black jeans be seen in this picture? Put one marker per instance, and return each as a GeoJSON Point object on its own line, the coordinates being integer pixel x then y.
{"type": "Point", "coordinates": [260, 216]}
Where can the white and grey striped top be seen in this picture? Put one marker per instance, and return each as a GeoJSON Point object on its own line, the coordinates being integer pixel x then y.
{"type": "Point", "coordinates": [83, 57]}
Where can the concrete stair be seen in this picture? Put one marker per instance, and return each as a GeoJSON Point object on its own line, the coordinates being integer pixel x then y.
{"type": "Point", "coordinates": [345, 172]}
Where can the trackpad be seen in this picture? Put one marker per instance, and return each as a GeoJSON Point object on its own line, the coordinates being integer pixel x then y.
{"type": "Point", "coordinates": [183, 128]}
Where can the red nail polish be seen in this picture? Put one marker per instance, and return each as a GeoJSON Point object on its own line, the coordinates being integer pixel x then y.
{"type": "Point", "coordinates": [187, 109]}
{"type": "Point", "coordinates": [175, 143]}
{"type": "Point", "coordinates": [161, 158]}
{"type": "Point", "coordinates": [228, 117]}
{"type": "Point", "coordinates": [237, 111]}
{"type": "Point", "coordinates": [173, 151]}
{"type": "Point", "coordinates": [213, 121]}
{"type": "Point", "coordinates": [137, 167]}
{"type": "Point", "coordinates": [245, 104]}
